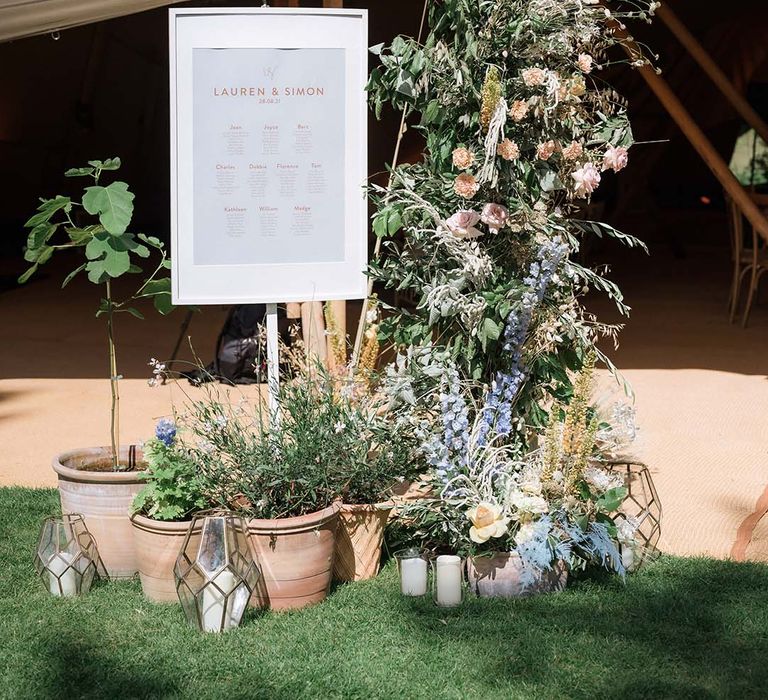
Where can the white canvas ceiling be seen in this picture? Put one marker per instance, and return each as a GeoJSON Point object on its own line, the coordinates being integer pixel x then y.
{"type": "Point", "coordinates": [21, 18]}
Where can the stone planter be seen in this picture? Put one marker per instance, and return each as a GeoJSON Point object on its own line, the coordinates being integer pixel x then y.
{"type": "Point", "coordinates": [498, 576]}
{"type": "Point", "coordinates": [87, 485]}
{"type": "Point", "coordinates": [359, 539]}
{"type": "Point", "coordinates": [295, 556]}
{"type": "Point", "coordinates": [157, 546]}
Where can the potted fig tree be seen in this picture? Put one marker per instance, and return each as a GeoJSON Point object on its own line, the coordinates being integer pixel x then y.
{"type": "Point", "coordinates": [101, 482]}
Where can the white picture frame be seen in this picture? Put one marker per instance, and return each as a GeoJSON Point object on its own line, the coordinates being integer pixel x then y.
{"type": "Point", "coordinates": [242, 266]}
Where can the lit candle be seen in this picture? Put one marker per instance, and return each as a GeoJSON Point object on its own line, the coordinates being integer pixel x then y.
{"type": "Point", "coordinates": [413, 576]}
{"type": "Point", "coordinates": [60, 571]}
{"type": "Point", "coordinates": [448, 580]}
{"type": "Point", "coordinates": [215, 601]}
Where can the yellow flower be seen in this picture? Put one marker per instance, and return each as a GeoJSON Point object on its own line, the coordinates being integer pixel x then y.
{"type": "Point", "coordinates": [487, 522]}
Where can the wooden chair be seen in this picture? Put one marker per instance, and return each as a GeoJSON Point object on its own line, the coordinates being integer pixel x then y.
{"type": "Point", "coordinates": [748, 261]}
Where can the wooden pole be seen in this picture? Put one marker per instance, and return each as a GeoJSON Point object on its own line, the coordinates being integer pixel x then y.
{"type": "Point", "coordinates": [696, 136]}
{"type": "Point", "coordinates": [716, 74]}
{"type": "Point", "coordinates": [313, 329]}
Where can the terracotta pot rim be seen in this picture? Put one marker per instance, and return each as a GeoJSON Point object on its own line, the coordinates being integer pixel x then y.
{"type": "Point", "coordinates": [300, 523]}
{"type": "Point", "coordinates": [367, 507]}
{"type": "Point", "coordinates": [160, 527]}
{"type": "Point", "coordinates": [105, 477]}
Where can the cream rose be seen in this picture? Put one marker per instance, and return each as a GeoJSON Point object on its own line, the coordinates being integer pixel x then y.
{"type": "Point", "coordinates": [463, 158]}
{"type": "Point", "coordinates": [466, 186]}
{"type": "Point", "coordinates": [518, 110]}
{"type": "Point", "coordinates": [508, 150]}
{"type": "Point", "coordinates": [586, 179]}
{"type": "Point", "coordinates": [462, 224]}
{"type": "Point", "coordinates": [487, 521]}
{"type": "Point", "coordinates": [615, 158]}
{"type": "Point", "coordinates": [494, 216]}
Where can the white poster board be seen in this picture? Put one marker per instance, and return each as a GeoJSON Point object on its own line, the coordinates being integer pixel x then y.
{"type": "Point", "coordinates": [268, 154]}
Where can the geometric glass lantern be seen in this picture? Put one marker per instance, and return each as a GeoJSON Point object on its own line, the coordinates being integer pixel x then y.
{"type": "Point", "coordinates": [67, 559]}
{"type": "Point", "coordinates": [215, 573]}
{"type": "Point", "coordinates": [639, 517]}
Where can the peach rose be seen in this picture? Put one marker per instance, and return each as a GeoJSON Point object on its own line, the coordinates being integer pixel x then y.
{"type": "Point", "coordinates": [494, 216]}
{"type": "Point", "coordinates": [587, 179]}
{"type": "Point", "coordinates": [508, 150]}
{"type": "Point", "coordinates": [463, 158]}
{"type": "Point", "coordinates": [573, 151]}
{"type": "Point", "coordinates": [518, 110]}
{"type": "Point", "coordinates": [584, 62]}
{"type": "Point", "coordinates": [466, 186]}
{"type": "Point", "coordinates": [533, 77]}
{"type": "Point", "coordinates": [578, 86]}
{"type": "Point", "coordinates": [615, 158]}
{"type": "Point", "coordinates": [462, 224]}
{"type": "Point", "coordinates": [545, 150]}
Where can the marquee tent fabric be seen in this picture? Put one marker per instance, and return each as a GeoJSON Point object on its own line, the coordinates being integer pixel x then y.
{"type": "Point", "coordinates": [22, 18]}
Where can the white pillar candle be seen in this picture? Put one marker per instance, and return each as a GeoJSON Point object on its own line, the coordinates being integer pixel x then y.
{"type": "Point", "coordinates": [627, 557]}
{"type": "Point", "coordinates": [448, 580]}
{"type": "Point", "coordinates": [413, 576]}
{"type": "Point", "coordinates": [215, 600]}
{"type": "Point", "coordinates": [60, 570]}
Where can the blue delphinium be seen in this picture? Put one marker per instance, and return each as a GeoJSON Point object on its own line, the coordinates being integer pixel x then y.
{"type": "Point", "coordinates": [447, 453]}
{"type": "Point", "coordinates": [497, 412]}
{"type": "Point", "coordinates": [165, 431]}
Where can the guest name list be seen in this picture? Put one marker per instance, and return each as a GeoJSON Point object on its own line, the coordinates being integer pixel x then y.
{"type": "Point", "coordinates": [268, 153]}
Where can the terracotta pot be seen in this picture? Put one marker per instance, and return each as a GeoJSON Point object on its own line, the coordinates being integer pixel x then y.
{"type": "Point", "coordinates": [359, 539]}
{"type": "Point", "coordinates": [498, 576]}
{"type": "Point", "coordinates": [295, 556]}
{"type": "Point", "coordinates": [103, 497]}
{"type": "Point", "coordinates": [157, 546]}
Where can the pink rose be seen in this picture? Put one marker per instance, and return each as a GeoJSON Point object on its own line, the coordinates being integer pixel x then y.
{"type": "Point", "coordinates": [508, 150]}
{"type": "Point", "coordinates": [463, 158]}
{"type": "Point", "coordinates": [545, 150]}
{"type": "Point", "coordinates": [466, 186]}
{"type": "Point", "coordinates": [462, 224]}
{"type": "Point", "coordinates": [494, 216]}
{"type": "Point", "coordinates": [586, 179]}
{"type": "Point", "coordinates": [518, 110]}
{"type": "Point", "coordinates": [533, 77]}
{"type": "Point", "coordinates": [584, 62]}
{"type": "Point", "coordinates": [615, 158]}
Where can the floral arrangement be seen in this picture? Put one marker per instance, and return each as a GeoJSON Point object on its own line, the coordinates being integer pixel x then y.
{"type": "Point", "coordinates": [496, 359]}
{"type": "Point", "coordinates": [550, 504]}
{"type": "Point", "coordinates": [519, 131]}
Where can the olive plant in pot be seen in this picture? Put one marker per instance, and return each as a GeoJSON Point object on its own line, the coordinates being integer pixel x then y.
{"type": "Point", "coordinates": [162, 510]}
{"type": "Point", "coordinates": [288, 473]}
{"type": "Point", "coordinates": [100, 482]}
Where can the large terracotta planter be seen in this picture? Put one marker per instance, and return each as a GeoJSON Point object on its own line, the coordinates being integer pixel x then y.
{"type": "Point", "coordinates": [157, 546]}
{"type": "Point", "coordinates": [359, 539]}
{"type": "Point", "coordinates": [499, 576]}
{"type": "Point", "coordinates": [295, 556]}
{"type": "Point", "coordinates": [103, 497]}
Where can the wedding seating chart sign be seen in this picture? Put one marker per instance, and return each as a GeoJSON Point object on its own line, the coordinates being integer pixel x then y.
{"type": "Point", "coordinates": [268, 121]}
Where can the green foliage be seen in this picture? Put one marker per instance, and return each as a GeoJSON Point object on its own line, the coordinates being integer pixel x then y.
{"type": "Point", "coordinates": [174, 489]}
{"type": "Point", "coordinates": [326, 446]}
{"type": "Point", "coordinates": [110, 251]}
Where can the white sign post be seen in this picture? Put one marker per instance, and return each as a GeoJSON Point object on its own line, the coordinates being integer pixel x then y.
{"type": "Point", "coordinates": [268, 158]}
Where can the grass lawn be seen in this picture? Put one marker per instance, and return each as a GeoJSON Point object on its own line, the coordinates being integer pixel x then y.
{"type": "Point", "coordinates": [683, 628]}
